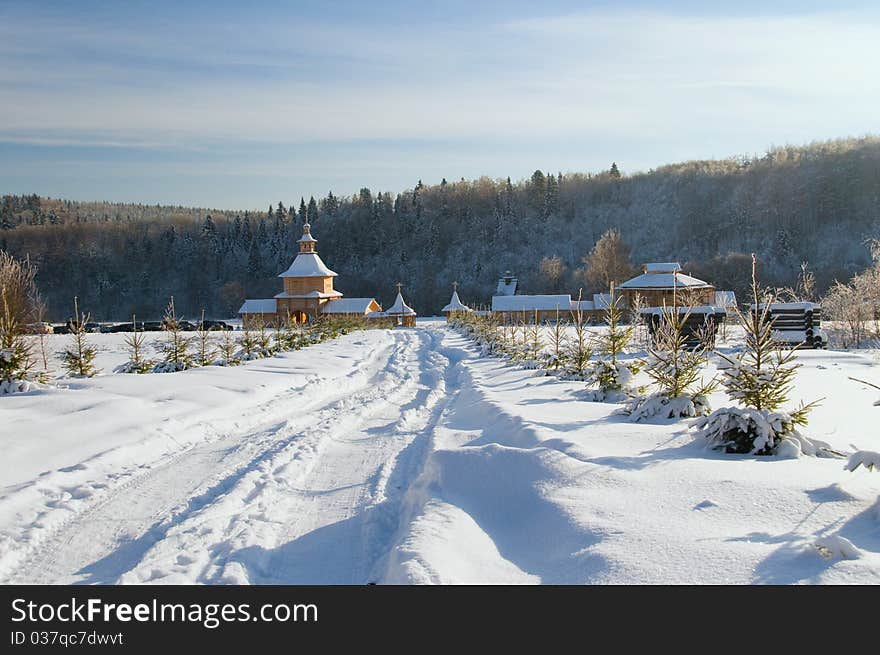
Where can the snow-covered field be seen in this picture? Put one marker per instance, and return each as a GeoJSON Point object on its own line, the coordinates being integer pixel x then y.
{"type": "Point", "coordinates": [402, 457]}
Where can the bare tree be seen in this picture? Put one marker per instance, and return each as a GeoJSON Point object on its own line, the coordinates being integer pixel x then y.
{"type": "Point", "coordinates": [608, 262]}
{"type": "Point", "coordinates": [551, 274]}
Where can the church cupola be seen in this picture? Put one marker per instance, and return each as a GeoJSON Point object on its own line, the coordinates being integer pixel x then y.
{"type": "Point", "coordinates": [307, 241]}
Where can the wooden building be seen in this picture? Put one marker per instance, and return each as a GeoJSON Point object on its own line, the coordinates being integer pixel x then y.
{"type": "Point", "coordinates": [546, 307]}
{"type": "Point", "coordinates": [401, 314]}
{"type": "Point", "coordinates": [455, 305]}
{"type": "Point", "coordinates": [308, 291]}
{"type": "Point", "coordinates": [664, 284]}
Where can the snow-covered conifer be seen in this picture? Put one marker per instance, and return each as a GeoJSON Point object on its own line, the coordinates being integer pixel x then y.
{"type": "Point", "coordinates": [610, 378]}
{"type": "Point", "coordinates": [675, 367]}
{"type": "Point", "coordinates": [16, 351]}
{"type": "Point", "coordinates": [175, 348]}
{"type": "Point", "coordinates": [555, 356]}
{"type": "Point", "coordinates": [205, 349]}
{"type": "Point", "coordinates": [79, 359]}
{"type": "Point", "coordinates": [228, 349]}
{"type": "Point", "coordinates": [760, 379]}
{"type": "Point", "coordinates": [136, 344]}
{"type": "Point", "coordinates": [579, 349]}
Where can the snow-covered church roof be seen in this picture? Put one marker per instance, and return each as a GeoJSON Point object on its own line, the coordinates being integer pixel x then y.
{"type": "Point", "coordinates": [307, 235]}
{"type": "Point", "coordinates": [348, 306]}
{"type": "Point", "coordinates": [455, 305]}
{"type": "Point", "coordinates": [506, 285]}
{"type": "Point", "coordinates": [663, 275]}
{"type": "Point", "coordinates": [400, 308]}
{"type": "Point", "coordinates": [308, 264]}
{"type": "Point", "coordinates": [542, 303]}
{"type": "Point", "coordinates": [258, 306]}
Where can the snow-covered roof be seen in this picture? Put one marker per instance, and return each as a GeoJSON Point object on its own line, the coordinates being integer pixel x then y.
{"type": "Point", "coordinates": [506, 285]}
{"type": "Point", "coordinates": [307, 236]}
{"type": "Point", "coordinates": [531, 303]}
{"type": "Point", "coordinates": [308, 264]}
{"type": "Point", "coordinates": [310, 294]}
{"type": "Point", "coordinates": [662, 267]}
{"type": "Point", "coordinates": [259, 306]}
{"type": "Point", "coordinates": [664, 281]}
{"type": "Point", "coordinates": [726, 299]}
{"type": "Point", "coordinates": [400, 308]}
{"type": "Point", "coordinates": [583, 305]}
{"type": "Point", "coordinates": [455, 305]}
{"type": "Point", "coordinates": [811, 306]}
{"type": "Point", "coordinates": [348, 306]}
{"type": "Point", "coordinates": [377, 315]}
{"type": "Point", "coordinates": [603, 300]}
{"type": "Point", "coordinates": [696, 309]}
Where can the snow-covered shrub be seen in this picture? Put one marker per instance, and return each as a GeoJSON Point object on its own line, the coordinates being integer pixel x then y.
{"type": "Point", "coordinates": [761, 379]}
{"type": "Point", "coordinates": [757, 432]}
{"type": "Point", "coordinates": [175, 347]}
{"type": "Point", "coordinates": [20, 305]}
{"type": "Point", "coordinates": [676, 369]}
{"type": "Point", "coordinates": [660, 405]}
{"type": "Point", "coordinates": [609, 379]}
{"type": "Point", "coordinates": [79, 358]}
{"type": "Point", "coordinates": [135, 343]}
{"type": "Point", "coordinates": [867, 458]}
{"type": "Point", "coordinates": [16, 351]}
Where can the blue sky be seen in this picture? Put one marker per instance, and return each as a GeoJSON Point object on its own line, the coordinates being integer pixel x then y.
{"type": "Point", "coordinates": [231, 104]}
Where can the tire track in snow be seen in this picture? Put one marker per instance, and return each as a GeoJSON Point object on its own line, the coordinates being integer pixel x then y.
{"type": "Point", "coordinates": [97, 540]}
{"type": "Point", "coordinates": [324, 516]}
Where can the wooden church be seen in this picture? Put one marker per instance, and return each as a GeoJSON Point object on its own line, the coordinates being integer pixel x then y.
{"type": "Point", "coordinates": [308, 292]}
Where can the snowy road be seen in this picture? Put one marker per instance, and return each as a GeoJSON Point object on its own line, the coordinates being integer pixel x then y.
{"type": "Point", "coordinates": [403, 457]}
{"type": "Point", "coordinates": [309, 498]}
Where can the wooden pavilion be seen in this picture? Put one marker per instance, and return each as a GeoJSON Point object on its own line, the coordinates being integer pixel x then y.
{"type": "Point", "coordinates": [308, 291]}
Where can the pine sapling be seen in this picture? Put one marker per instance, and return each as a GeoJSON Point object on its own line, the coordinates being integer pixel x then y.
{"type": "Point", "coordinates": [79, 358]}
{"type": "Point", "coordinates": [611, 378]}
{"type": "Point", "coordinates": [249, 342]}
{"type": "Point", "coordinates": [136, 344]}
{"type": "Point", "coordinates": [761, 379]}
{"type": "Point", "coordinates": [228, 348]}
{"type": "Point", "coordinates": [205, 350]}
{"type": "Point", "coordinates": [675, 366]}
{"type": "Point", "coordinates": [534, 343]}
{"type": "Point", "coordinates": [579, 349]}
{"type": "Point", "coordinates": [555, 357]}
{"type": "Point", "coordinates": [175, 348]}
{"type": "Point", "coordinates": [16, 351]}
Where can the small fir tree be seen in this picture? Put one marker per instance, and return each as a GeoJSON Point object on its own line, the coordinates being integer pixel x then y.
{"type": "Point", "coordinates": [611, 377]}
{"type": "Point", "coordinates": [79, 359]}
{"type": "Point", "coordinates": [175, 348]}
{"type": "Point", "coordinates": [228, 349]}
{"type": "Point", "coordinates": [555, 357]}
{"type": "Point", "coordinates": [136, 344]}
{"type": "Point", "coordinates": [579, 350]}
{"type": "Point", "coordinates": [675, 366]}
{"type": "Point", "coordinates": [534, 343]}
{"type": "Point", "coordinates": [249, 341]}
{"type": "Point", "coordinates": [761, 379]}
{"type": "Point", "coordinates": [16, 351]}
{"type": "Point", "coordinates": [205, 349]}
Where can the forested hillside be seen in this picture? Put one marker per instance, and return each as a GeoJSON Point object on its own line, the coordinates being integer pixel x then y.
{"type": "Point", "coordinates": [817, 203]}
